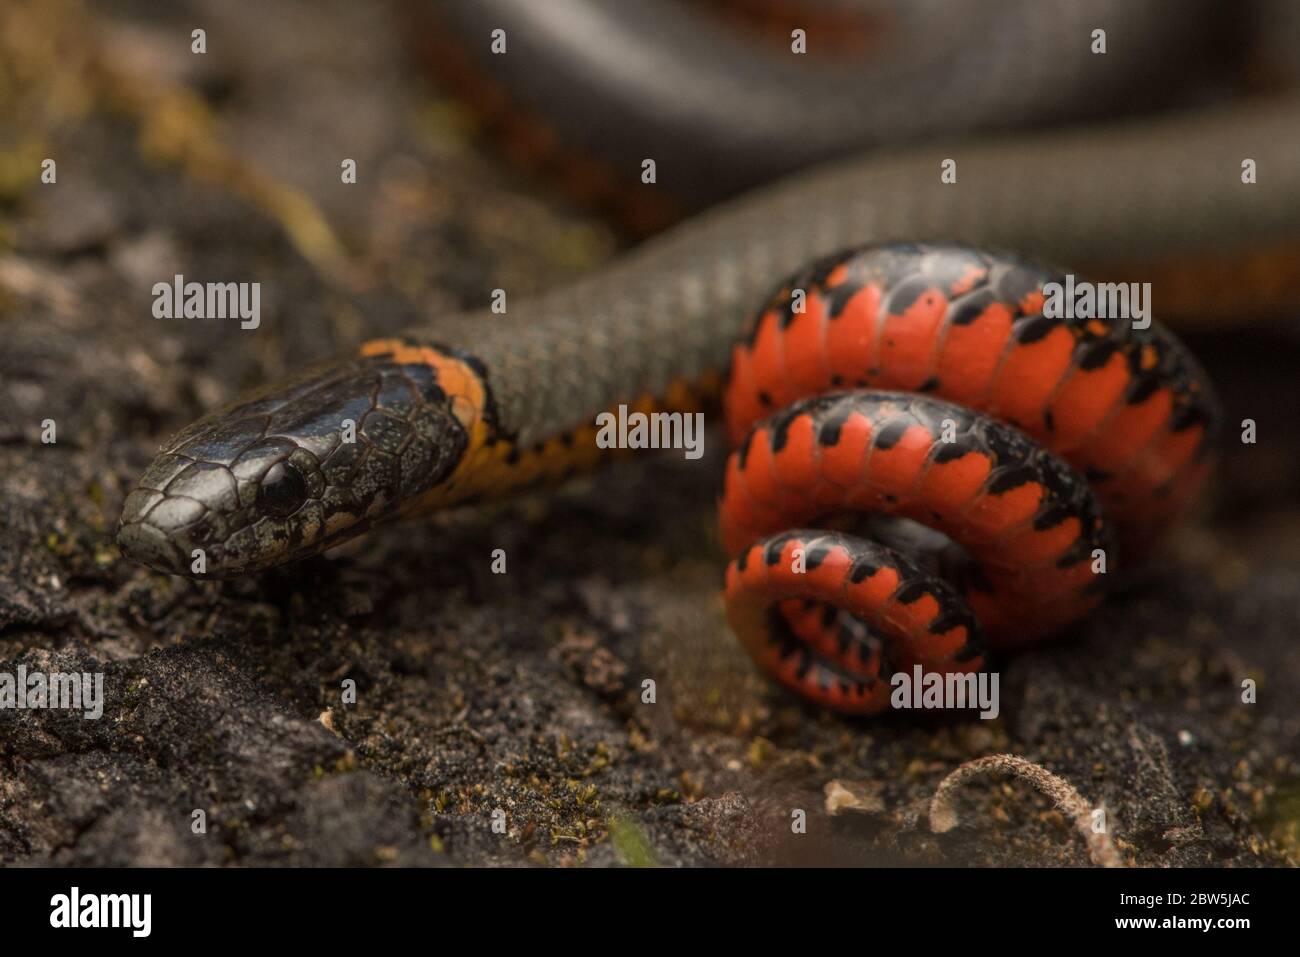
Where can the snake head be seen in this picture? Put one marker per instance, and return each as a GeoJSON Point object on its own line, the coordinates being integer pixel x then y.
{"type": "Point", "coordinates": [289, 472]}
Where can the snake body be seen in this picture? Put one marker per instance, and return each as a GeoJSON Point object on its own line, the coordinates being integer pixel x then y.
{"type": "Point", "coordinates": [587, 89]}
{"type": "Point", "coordinates": [972, 412]}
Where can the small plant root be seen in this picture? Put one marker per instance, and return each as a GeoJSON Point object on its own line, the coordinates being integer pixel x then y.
{"type": "Point", "coordinates": [943, 811]}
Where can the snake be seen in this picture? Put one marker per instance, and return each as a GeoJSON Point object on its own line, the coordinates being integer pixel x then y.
{"type": "Point", "coordinates": [586, 88]}
{"type": "Point", "coordinates": [926, 465]}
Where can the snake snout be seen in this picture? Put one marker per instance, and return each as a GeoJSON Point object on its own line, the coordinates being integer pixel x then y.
{"type": "Point", "coordinates": [149, 545]}
{"type": "Point", "coordinates": [169, 531]}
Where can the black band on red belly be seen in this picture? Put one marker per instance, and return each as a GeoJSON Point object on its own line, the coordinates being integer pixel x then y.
{"type": "Point", "coordinates": [1028, 521]}
{"type": "Point", "coordinates": [978, 417]}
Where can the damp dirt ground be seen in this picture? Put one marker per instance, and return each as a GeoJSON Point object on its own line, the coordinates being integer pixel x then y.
{"type": "Point", "coordinates": [499, 719]}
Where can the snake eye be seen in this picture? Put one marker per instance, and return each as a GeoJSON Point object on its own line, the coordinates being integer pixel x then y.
{"type": "Point", "coordinates": [283, 490]}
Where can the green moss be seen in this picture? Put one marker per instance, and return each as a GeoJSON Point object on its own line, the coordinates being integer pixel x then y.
{"type": "Point", "coordinates": [1280, 819]}
{"type": "Point", "coordinates": [629, 839]}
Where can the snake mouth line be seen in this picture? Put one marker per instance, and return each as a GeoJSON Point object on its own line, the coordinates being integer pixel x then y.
{"type": "Point", "coordinates": [143, 542]}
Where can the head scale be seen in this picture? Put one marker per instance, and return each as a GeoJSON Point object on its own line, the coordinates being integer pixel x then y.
{"type": "Point", "coordinates": [289, 472]}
